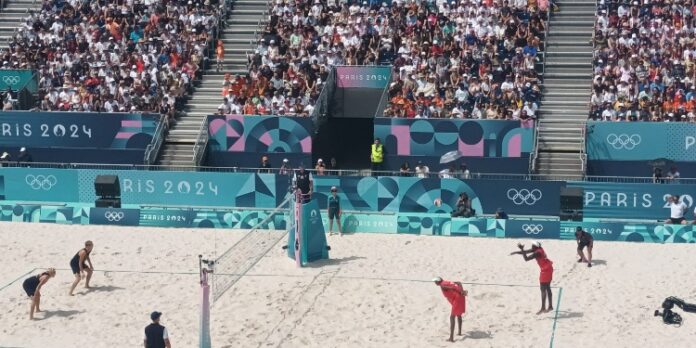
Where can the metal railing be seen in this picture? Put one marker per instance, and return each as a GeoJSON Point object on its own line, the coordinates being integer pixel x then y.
{"type": "Point", "coordinates": [201, 143]}
{"type": "Point", "coordinates": [341, 172]}
{"type": "Point", "coordinates": [385, 97]}
{"type": "Point", "coordinates": [152, 150]}
{"type": "Point", "coordinates": [533, 157]}
{"type": "Point", "coordinates": [583, 153]}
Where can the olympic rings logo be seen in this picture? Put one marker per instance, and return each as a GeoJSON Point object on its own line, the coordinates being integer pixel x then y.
{"type": "Point", "coordinates": [532, 228]}
{"type": "Point", "coordinates": [524, 196]}
{"type": "Point", "coordinates": [11, 80]}
{"type": "Point", "coordinates": [41, 182]}
{"type": "Point", "coordinates": [624, 141]}
{"type": "Point", "coordinates": [114, 216]}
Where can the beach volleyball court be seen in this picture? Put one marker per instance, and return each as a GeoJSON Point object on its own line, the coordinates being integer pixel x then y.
{"type": "Point", "coordinates": [373, 292]}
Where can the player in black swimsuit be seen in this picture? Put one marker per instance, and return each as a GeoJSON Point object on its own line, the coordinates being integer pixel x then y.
{"type": "Point", "coordinates": [32, 286]}
{"type": "Point", "coordinates": [584, 239]}
{"type": "Point", "coordinates": [79, 265]}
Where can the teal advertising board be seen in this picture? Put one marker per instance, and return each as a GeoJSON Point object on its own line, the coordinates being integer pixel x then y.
{"type": "Point", "coordinates": [633, 201]}
{"type": "Point", "coordinates": [641, 141]}
{"type": "Point", "coordinates": [413, 223]}
{"type": "Point", "coordinates": [18, 79]}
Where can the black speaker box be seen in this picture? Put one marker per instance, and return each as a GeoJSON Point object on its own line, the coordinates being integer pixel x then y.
{"type": "Point", "coordinates": [107, 186]}
{"type": "Point", "coordinates": [108, 203]}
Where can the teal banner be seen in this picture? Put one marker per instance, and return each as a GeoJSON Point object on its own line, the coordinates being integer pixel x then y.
{"type": "Point", "coordinates": [421, 224]}
{"type": "Point", "coordinates": [633, 201]}
{"type": "Point", "coordinates": [18, 79]}
{"type": "Point", "coordinates": [641, 141]}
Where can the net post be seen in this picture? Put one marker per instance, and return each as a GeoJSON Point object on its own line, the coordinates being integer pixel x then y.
{"type": "Point", "coordinates": [298, 227]}
{"type": "Point", "coordinates": [204, 337]}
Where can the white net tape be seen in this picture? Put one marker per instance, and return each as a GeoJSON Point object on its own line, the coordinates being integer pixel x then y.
{"type": "Point", "coordinates": [236, 261]}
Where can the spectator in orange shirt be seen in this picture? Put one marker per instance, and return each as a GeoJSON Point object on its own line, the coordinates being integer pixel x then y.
{"type": "Point", "coordinates": [220, 54]}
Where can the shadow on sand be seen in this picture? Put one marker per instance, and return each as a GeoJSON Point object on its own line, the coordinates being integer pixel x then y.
{"type": "Point", "coordinates": [105, 288]}
{"type": "Point", "coordinates": [60, 313]}
{"type": "Point", "coordinates": [332, 262]}
{"type": "Point", "coordinates": [478, 335]}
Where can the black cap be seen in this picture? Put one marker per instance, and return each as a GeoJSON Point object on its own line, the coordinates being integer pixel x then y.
{"type": "Point", "coordinates": [579, 228]}
{"type": "Point", "coordinates": [155, 315]}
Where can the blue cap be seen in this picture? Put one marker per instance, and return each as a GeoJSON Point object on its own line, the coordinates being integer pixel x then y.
{"type": "Point", "coordinates": [155, 315]}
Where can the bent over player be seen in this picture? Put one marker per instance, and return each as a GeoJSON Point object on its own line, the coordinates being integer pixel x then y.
{"type": "Point", "coordinates": [456, 295]}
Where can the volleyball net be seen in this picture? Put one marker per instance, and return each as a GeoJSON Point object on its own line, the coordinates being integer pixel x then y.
{"type": "Point", "coordinates": [236, 261]}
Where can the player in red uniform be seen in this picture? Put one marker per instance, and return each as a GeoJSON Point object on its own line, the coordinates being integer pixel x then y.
{"type": "Point", "coordinates": [546, 272]}
{"type": "Point", "coordinates": [456, 295]}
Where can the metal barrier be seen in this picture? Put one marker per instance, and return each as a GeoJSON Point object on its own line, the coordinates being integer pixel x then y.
{"type": "Point", "coordinates": [341, 172]}
{"type": "Point", "coordinates": [152, 150]}
{"type": "Point", "coordinates": [201, 143]}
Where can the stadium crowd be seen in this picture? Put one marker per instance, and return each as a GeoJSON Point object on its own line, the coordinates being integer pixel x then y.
{"type": "Point", "coordinates": [469, 59]}
{"type": "Point", "coordinates": [115, 56]}
{"type": "Point", "coordinates": [644, 61]}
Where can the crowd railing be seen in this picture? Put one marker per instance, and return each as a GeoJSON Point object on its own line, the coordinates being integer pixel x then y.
{"type": "Point", "coordinates": [344, 172]}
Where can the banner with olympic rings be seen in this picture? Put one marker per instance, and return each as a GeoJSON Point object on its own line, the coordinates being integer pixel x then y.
{"type": "Point", "coordinates": [641, 141]}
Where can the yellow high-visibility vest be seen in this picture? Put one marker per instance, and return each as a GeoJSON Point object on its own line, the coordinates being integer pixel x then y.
{"type": "Point", "coordinates": [377, 153]}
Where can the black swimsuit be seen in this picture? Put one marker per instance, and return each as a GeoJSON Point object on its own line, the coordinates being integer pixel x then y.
{"type": "Point", "coordinates": [30, 284]}
{"type": "Point", "coordinates": [75, 262]}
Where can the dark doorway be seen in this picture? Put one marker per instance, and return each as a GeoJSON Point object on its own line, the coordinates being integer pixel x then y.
{"type": "Point", "coordinates": [346, 139]}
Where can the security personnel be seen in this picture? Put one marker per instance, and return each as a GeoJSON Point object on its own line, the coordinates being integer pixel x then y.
{"type": "Point", "coordinates": [303, 181]}
{"type": "Point", "coordinates": [156, 335]}
{"type": "Point", "coordinates": [377, 155]}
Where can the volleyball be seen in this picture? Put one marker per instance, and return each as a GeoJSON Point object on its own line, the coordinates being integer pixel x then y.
{"type": "Point", "coordinates": [437, 202]}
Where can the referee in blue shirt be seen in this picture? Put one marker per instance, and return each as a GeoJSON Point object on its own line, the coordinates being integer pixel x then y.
{"type": "Point", "coordinates": [334, 204]}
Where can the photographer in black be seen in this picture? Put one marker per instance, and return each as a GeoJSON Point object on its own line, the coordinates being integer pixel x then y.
{"type": "Point", "coordinates": [464, 208]}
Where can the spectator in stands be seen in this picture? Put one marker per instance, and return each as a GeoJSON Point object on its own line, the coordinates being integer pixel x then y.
{"type": "Point", "coordinates": [24, 156]}
{"type": "Point", "coordinates": [5, 158]}
{"type": "Point", "coordinates": [285, 168]}
{"type": "Point", "coordinates": [643, 61]}
{"type": "Point", "coordinates": [657, 176]}
{"type": "Point", "coordinates": [320, 167]}
{"type": "Point", "coordinates": [333, 165]}
{"type": "Point", "coordinates": [422, 171]}
{"type": "Point", "coordinates": [501, 214]}
{"type": "Point", "coordinates": [96, 56]}
{"type": "Point", "coordinates": [265, 166]}
{"type": "Point", "coordinates": [673, 175]}
{"type": "Point", "coordinates": [405, 169]}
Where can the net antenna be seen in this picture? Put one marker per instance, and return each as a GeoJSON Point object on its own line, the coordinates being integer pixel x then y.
{"type": "Point", "coordinates": [236, 261]}
{"type": "Point", "coordinates": [205, 267]}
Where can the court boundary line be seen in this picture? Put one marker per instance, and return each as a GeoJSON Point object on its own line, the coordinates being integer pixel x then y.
{"type": "Point", "coordinates": [555, 317]}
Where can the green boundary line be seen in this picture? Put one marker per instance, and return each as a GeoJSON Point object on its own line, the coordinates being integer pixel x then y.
{"type": "Point", "coordinates": [14, 281]}
{"type": "Point", "coordinates": [555, 317]}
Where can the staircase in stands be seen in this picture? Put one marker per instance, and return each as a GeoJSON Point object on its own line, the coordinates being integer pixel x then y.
{"type": "Point", "coordinates": [239, 36]}
{"type": "Point", "coordinates": [11, 17]}
{"type": "Point", "coordinates": [567, 90]}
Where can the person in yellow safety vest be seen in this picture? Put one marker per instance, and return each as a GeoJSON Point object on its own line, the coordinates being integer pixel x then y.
{"type": "Point", "coordinates": [377, 155]}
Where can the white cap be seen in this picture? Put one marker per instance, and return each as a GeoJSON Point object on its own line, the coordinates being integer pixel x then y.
{"type": "Point", "coordinates": [320, 160]}
{"type": "Point", "coordinates": [285, 160]}
{"type": "Point", "coordinates": [23, 149]}
{"type": "Point", "coordinates": [437, 279]}
{"type": "Point", "coordinates": [334, 188]}
{"type": "Point", "coordinates": [5, 155]}
{"type": "Point", "coordinates": [536, 243]}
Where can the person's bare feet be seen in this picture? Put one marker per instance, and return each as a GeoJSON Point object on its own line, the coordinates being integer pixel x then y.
{"type": "Point", "coordinates": [451, 339]}
{"type": "Point", "coordinates": [549, 310]}
{"type": "Point", "coordinates": [543, 310]}
{"type": "Point", "coordinates": [71, 294]}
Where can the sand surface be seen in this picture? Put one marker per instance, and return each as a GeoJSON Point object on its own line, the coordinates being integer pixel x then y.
{"type": "Point", "coordinates": [374, 292]}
